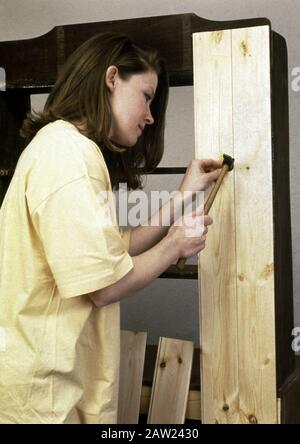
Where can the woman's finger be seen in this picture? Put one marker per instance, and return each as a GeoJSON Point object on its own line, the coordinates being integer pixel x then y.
{"type": "Point", "coordinates": [210, 164]}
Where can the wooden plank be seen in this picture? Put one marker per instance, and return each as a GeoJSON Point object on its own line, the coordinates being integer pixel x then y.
{"type": "Point", "coordinates": [133, 348]}
{"type": "Point", "coordinates": [145, 399]}
{"type": "Point", "coordinates": [232, 115]}
{"type": "Point", "coordinates": [278, 411]}
{"type": "Point", "coordinates": [171, 382]}
{"type": "Point", "coordinates": [189, 272]}
{"type": "Point", "coordinates": [251, 81]}
{"type": "Point", "coordinates": [193, 409]}
{"type": "Point", "coordinates": [217, 264]}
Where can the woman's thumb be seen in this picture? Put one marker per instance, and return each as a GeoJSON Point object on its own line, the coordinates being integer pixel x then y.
{"type": "Point", "coordinates": [213, 175]}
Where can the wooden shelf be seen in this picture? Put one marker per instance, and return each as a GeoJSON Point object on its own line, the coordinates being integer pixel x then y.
{"type": "Point", "coordinates": [189, 272]}
{"type": "Point", "coordinates": [165, 170]}
{"type": "Point", "coordinates": [36, 62]}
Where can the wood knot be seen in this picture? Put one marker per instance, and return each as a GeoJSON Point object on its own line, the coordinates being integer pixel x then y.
{"type": "Point", "coordinates": [225, 407]}
{"type": "Point", "coordinates": [252, 419]}
{"type": "Point", "coordinates": [244, 48]}
{"type": "Point", "coordinates": [267, 271]}
{"type": "Point", "coordinates": [217, 36]}
{"type": "Point", "coordinates": [162, 364]}
{"type": "Point", "coordinates": [241, 277]}
{"type": "Point", "coordinates": [179, 360]}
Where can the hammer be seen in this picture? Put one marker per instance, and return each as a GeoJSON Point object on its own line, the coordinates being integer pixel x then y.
{"type": "Point", "coordinates": [227, 165]}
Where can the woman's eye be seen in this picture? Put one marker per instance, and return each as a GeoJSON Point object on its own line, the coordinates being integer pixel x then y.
{"type": "Point", "coordinates": [148, 98]}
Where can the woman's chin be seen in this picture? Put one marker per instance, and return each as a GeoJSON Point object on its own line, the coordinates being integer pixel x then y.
{"type": "Point", "coordinates": [124, 143]}
{"type": "Point", "coordinates": [126, 139]}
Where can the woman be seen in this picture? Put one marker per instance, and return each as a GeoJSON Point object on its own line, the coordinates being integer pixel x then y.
{"type": "Point", "coordinates": [65, 264]}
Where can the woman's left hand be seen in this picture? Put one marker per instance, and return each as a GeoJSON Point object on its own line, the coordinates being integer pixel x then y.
{"type": "Point", "coordinates": [200, 174]}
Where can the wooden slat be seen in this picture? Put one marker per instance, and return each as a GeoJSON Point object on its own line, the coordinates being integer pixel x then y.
{"type": "Point", "coordinates": [232, 115]}
{"type": "Point", "coordinates": [133, 348]}
{"type": "Point", "coordinates": [173, 272]}
{"type": "Point", "coordinates": [193, 409]}
{"type": "Point", "coordinates": [217, 264]}
{"type": "Point", "coordinates": [278, 411]}
{"type": "Point", "coordinates": [171, 382]}
{"type": "Point", "coordinates": [164, 170]}
{"type": "Point", "coordinates": [254, 222]}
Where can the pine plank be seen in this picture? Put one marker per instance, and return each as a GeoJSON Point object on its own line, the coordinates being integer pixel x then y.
{"type": "Point", "coordinates": [217, 263]}
{"type": "Point", "coordinates": [254, 223]}
{"type": "Point", "coordinates": [133, 348]}
{"type": "Point", "coordinates": [232, 115]}
{"type": "Point", "coordinates": [193, 409]}
{"type": "Point", "coordinates": [171, 382]}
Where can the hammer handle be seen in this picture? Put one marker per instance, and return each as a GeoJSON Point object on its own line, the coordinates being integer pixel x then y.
{"type": "Point", "coordinates": [207, 205]}
{"type": "Point", "coordinates": [215, 189]}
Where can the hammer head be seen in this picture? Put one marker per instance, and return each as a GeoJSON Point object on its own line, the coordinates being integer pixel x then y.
{"type": "Point", "coordinates": [229, 161]}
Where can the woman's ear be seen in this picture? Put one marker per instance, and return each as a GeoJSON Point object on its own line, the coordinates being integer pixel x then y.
{"type": "Point", "coordinates": [110, 77]}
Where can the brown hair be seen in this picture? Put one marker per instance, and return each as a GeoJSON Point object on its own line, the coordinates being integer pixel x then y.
{"type": "Point", "coordinates": [80, 94]}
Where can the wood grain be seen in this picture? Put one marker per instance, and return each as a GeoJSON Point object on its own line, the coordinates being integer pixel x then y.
{"type": "Point", "coordinates": [232, 116]}
{"type": "Point", "coordinates": [133, 348]}
{"type": "Point", "coordinates": [171, 382]}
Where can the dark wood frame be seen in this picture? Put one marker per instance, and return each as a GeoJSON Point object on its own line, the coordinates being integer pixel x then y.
{"type": "Point", "coordinates": [31, 67]}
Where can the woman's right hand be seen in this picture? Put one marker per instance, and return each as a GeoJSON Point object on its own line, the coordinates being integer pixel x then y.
{"type": "Point", "coordinates": [188, 234]}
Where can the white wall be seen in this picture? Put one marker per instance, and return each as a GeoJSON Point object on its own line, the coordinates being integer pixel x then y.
{"type": "Point", "coordinates": [169, 308]}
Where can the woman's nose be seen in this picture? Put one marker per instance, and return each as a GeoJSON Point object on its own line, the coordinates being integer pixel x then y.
{"type": "Point", "coordinates": [149, 118]}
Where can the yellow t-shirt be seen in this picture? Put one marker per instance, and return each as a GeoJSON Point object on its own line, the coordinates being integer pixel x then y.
{"type": "Point", "coordinates": [59, 240]}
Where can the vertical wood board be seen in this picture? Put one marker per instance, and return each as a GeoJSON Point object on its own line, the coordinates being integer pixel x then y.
{"type": "Point", "coordinates": [251, 77]}
{"type": "Point", "coordinates": [233, 116]}
{"type": "Point", "coordinates": [133, 349]}
{"type": "Point", "coordinates": [171, 382]}
{"type": "Point", "coordinates": [218, 314]}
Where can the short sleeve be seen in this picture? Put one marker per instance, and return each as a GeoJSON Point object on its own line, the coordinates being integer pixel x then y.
{"type": "Point", "coordinates": [81, 240]}
{"type": "Point", "coordinates": [126, 237]}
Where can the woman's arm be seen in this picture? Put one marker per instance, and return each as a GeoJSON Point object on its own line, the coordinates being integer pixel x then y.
{"type": "Point", "coordinates": [179, 242]}
{"type": "Point", "coordinates": [147, 267]}
{"type": "Point", "coordinates": [199, 176]}
{"type": "Point", "coordinates": [145, 236]}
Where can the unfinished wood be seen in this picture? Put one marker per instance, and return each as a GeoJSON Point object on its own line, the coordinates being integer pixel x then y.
{"type": "Point", "coordinates": [145, 399]}
{"type": "Point", "coordinates": [193, 409]}
{"type": "Point", "coordinates": [233, 115]}
{"type": "Point", "coordinates": [133, 348]}
{"type": "Point", "coordinates": [171, 382]}
{"type": "Point", "coordinates": [251, 79]}
{"type": "Point", "coordinates": [278, 411]}
{"type": "Point", "coordinates": [217, 264]}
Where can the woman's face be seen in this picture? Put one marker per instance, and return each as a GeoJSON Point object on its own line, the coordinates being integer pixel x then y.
{"type": "Point", "coordinates": [130, 102]}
